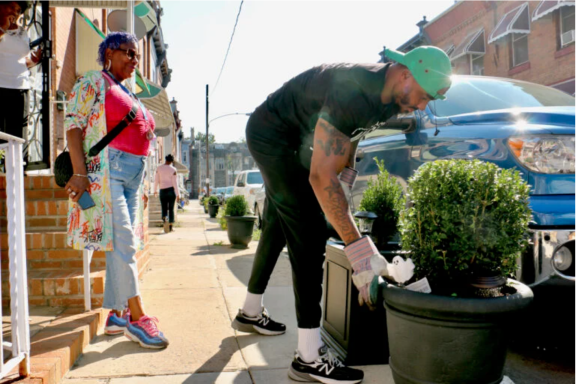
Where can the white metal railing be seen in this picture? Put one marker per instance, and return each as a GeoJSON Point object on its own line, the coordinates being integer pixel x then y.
{"type": "Point", "coordinates": [20, 328]}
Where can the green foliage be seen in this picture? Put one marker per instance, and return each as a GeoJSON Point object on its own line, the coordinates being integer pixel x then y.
{"type": "Point", "coordinates": [383, 197]}
{"type": "Point", "coordinates": [202, 138]}
{"type": "Point", "coordinates": [221, 220]}
{"type": "Point", "coordinates": [467, 217]}
{"type": "Point", "coordinates": [237, 206]}
{"type": "Point", "coordinates": [219, 243]}
{"type": "Point", "coordinates": [256, 234]}
{"type": "Point", "coordinates": [213, 200]}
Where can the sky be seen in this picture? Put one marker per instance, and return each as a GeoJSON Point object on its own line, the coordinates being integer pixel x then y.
{"type": "Point", "coordinates": [274, 41]}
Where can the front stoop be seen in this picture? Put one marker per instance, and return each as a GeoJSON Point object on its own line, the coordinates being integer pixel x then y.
{"type": "Point", "coordinates": [57, 346]}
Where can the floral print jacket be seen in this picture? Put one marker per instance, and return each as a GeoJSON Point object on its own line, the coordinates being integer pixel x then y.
{"type": "Point", "coordinates": [92, 228]}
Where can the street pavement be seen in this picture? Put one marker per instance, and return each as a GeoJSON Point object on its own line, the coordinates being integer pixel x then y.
{"type": "Point", "coordinates": [195, 285]}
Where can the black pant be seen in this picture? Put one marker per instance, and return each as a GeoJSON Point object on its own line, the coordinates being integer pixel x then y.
{"type": "Point", "coordinates": [167, 199]}
{"type": "Point", "coordinates": [291, 216]}
{"type": "Point", "coordinates": [14, 108]}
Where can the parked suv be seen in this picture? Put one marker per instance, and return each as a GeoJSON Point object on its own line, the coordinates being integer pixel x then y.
{"type": "Point", "coordinates": [247, 184]}
{"type": "Point", "coordinates": [513, 124]}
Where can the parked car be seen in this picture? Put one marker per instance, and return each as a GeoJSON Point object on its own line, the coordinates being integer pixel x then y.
{"type": "Point", "coordinates": [247, 184]}
{"type": "Point", "coordinates": [513, 124]}
{"type": "Point", "coordinates": [228, 193]}
{"type": "Point", "coordinates": [219, 193]}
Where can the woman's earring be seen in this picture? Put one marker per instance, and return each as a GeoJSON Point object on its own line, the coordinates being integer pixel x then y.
{"type": "Point", "coordinates": [109, 65]}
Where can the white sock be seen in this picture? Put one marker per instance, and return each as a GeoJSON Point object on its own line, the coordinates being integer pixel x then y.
{"type": "Point", "coordinates": [309, 342]}
{"type": "Point", "coordinates": [253, 304]}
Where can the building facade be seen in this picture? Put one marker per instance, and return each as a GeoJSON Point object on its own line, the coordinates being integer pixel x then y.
{"type": "Point", "coordinates": [531, 41]}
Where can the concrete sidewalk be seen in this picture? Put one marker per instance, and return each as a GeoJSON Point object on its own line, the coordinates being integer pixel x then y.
{"type": "Point", "coordinates": [195, 287]}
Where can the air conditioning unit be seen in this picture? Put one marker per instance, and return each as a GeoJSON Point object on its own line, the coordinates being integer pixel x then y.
{"type": "Point", "coordinates": [567, 38]}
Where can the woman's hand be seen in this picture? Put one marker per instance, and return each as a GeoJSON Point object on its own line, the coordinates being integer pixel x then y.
{"type": "Point", "coordinates": [76, 186]}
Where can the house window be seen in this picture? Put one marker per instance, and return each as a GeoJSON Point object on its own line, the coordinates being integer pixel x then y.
{"type": "Point", "coordinates": [220, 164]}
{"type": "Point", "coordinates": [153, 65]}
{"type": "Point", "coordinates": [477, 65]}
{"type": "Point", "coordinates": [184, 156]}
{"type": "Point", "coordinates": [566, 25]}
{"type": "Point", "coordinates": [519, 49]}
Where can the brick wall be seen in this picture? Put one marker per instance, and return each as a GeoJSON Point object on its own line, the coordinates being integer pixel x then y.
{"type": "Point", "coordinates": [547, 64]}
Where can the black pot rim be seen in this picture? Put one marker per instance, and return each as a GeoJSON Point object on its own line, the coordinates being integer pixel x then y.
{"type": "Point", "coordinates": [240, 218]}
{"type": "Point", "coordinates": [457, 308]}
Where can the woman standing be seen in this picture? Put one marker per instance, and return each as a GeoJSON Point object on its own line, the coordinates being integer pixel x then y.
{"type": "Point", "coordinates": [114, 179]}
{"type": "Point", "coordinates": [15, 61]}
{"type": "Point", "coordinates": [166, 180]}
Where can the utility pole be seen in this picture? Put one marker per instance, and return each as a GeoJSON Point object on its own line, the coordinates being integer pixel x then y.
{"type": "Point", "coordinates": [207, 148]}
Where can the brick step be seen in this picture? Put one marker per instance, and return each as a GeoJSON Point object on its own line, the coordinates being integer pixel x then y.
{"type": "Point", "coordinates": [60, 288]}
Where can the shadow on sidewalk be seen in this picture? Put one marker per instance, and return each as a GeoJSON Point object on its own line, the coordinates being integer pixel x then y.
{"type": "Point", "coordinates": [220, 360]}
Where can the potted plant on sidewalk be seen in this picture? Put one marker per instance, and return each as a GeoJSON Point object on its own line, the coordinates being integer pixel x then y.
{"type": "Point", "coordinates": [346, 325]}
{"type": "Point", "coordinates": [213, 205]}
{"type": "Point", "coordinates": [466, 226]}
{"type": "Point", "coordinates": [240, 226]}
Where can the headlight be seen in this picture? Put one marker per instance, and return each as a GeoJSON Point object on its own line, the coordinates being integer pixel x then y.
{"type": "Point", "coordinates": [562, 259]}
{"type": "Point", "coordinates": [544, 154]}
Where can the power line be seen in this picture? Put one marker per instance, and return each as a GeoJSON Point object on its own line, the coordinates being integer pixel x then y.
{"type": "Point", "coordinates": [229, 45]}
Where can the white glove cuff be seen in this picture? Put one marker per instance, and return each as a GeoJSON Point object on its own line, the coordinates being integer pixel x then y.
{"type": "Point", "coordinates": [379, 265]}
{"type": "Point", "coordinates": [363, 278]}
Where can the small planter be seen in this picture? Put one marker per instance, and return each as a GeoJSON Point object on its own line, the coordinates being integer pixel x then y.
{"type": "Point", "coordinates": [443, 339]}
{"type": "Point", "coordinates": [213, 210]}
{"type": "Point", "coordinates": [205, 208]}
{"type": "Point", "coordinates": [240, 230]}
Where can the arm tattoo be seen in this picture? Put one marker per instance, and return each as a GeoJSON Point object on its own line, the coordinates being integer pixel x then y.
{"type": "Point", "coordinates": [338, 211]}
{"type": "Point", "coordinates": [336, 143]}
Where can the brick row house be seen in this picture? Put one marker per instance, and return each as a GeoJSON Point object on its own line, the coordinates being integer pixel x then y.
{"type": "Point", "coordinates": [531, 41]}
{"type": "Point", "coordinates": [73, 34]}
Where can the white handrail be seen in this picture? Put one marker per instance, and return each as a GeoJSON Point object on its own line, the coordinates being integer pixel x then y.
{"type": "Point", "coordinates": [17, 261]}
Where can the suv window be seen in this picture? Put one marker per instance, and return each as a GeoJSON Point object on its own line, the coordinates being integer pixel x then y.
{"type": "Point", "coordinates": [255, 178]}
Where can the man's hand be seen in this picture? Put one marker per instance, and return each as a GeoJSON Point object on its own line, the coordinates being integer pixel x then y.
{"type": "Point", "coordinates": [368, 264]}
{"type": "Point", "coordinates": [145, 197]}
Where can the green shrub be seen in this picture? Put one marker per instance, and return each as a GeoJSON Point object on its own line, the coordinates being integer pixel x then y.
{"type": "Point", "coordinates": [213, 200]}
{"type": "Point", "coordinates": [221, 220]}
{"type": "Point", "coordinates": [236, 206]}
{"type": "Point", "coordinates": [467, 218]}
{"type": "Point", "coordinates": [383, 197]}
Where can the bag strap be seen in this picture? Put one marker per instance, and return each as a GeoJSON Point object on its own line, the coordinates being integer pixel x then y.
{"type": "Point", "coordinates": [99, 146]}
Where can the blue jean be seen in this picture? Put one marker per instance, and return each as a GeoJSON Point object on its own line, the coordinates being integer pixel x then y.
{"type": "Point", "coordinates": [126, 175]}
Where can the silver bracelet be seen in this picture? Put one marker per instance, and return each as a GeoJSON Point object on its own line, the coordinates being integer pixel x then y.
{"type": "Point", "coordinates": [79, 175]}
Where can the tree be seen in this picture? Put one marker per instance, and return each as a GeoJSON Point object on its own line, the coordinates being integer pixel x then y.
{"type": "Point", "coordinates": [202, 138]}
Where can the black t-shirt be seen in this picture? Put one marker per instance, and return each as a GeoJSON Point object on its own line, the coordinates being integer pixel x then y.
{"type": "Point", "coordinates": [345, 95]}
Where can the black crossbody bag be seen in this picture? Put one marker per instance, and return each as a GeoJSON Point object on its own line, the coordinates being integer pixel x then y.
{"type": "Point", "coordinates": [63, 169]}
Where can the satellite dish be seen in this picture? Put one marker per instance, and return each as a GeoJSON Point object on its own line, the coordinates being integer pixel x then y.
{"type": "Point", "coordinates": [117, 23]}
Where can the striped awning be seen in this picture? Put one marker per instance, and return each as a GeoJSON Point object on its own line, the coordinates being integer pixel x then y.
{"type": "Point", "coordinates": [110, 4]}
{"type": "Point", "coordinates": [515, 21]}
{"type": "Point", "coordinates": [546, 7]}
{"type": "Point", "coordinates": [473, 44]}
{"type": "Point", "coordinates": [156, 100]}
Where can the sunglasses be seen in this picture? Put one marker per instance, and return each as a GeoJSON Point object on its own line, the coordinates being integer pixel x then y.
{"type": "Point", "coordinates": [131, 53]}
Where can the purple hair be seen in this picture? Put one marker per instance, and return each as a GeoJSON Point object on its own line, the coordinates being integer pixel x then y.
{"type": "Point", "coordinates": [113, 41]}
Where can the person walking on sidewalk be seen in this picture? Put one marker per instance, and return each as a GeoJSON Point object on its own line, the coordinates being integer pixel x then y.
{"type": "Point", "coordinates": [302, 137]}
{"type": "Point", "coordinates": [166, 180]}
{"type": "Point", "coordinates": [114, 178]}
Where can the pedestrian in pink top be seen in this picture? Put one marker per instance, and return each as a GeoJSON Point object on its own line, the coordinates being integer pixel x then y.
{"type": "Point", "coordinates": [166, 180]}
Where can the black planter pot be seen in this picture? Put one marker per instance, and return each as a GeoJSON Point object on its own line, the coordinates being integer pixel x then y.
{"type": "Point", "coordinates": [213, 210]}
{"type": "Point", "coordinates": [443, 339]}
{"type": "Point", "coordinates": [205, 208]}
{"type": "Point", "coordinates": [240, 230]}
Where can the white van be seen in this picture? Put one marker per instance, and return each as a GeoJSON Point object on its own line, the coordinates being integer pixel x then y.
{"type": "Point", "coordinates": [248, 183]}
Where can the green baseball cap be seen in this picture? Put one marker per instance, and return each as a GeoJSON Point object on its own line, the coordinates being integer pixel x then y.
{"type": "Point", "coordinates": [430, 67]}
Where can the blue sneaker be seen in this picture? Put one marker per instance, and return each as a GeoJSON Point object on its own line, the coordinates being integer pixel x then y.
{"type": "Point", "coordinates": [116, 325]}
{"type": "Point", "coordinates": [145, 332]}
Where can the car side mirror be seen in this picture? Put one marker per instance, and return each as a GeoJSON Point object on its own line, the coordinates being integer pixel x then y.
{"type": "Point", "coordinates": [240, 184]}
{"type": "Point", "coordinates": [406, 123]}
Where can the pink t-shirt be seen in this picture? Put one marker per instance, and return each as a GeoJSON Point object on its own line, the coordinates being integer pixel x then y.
{"type": "Point", "coordinates": [133, 138]}
{"type": "Point", "coordinates": [165, 178]}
